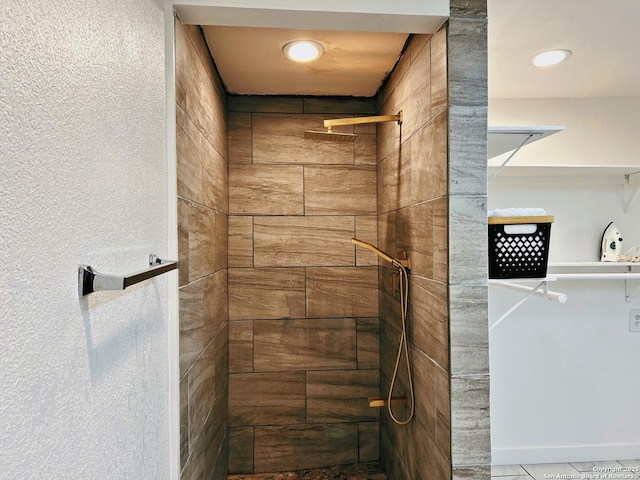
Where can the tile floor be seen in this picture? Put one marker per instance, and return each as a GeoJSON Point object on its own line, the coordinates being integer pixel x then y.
{"type": "Point", "coordinates": [360, 471]}
{"type": "Point", "coordinates": [614, 470]}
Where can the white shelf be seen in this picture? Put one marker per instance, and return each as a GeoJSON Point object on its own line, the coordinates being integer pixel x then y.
{"type": "Point", "coordinates": [595, 265]}
{"type": "Point", "coordinates": [600, 174]}
{"type": "Point", "coordinates": [505, 139]}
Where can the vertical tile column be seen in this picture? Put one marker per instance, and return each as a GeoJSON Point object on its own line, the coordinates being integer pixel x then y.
{"type": "Point", "coordinates": [303, 311]}
{"type": "Point", "coordinates": [412, 217]}
{"type": "Point", "coordinates": [469, 370]}
{"type": "Point", "coordinates": [202, 248]}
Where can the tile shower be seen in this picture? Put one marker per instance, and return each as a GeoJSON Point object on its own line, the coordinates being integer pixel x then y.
{"type": "Point", "coordinates": [285, 327]}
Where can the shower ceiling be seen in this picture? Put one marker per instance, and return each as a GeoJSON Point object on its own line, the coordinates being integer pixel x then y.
{"type": "Point", "coordinates": [604, 61]}
{"type": "Point", "coordinates": [250, 60]}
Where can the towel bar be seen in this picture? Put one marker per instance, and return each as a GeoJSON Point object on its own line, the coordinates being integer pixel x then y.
{"type": "Point", "coordinates": [90, 281]}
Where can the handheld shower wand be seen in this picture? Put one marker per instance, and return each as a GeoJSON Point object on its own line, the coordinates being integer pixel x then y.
{"type": "Point", "coordinates": [401, 265]}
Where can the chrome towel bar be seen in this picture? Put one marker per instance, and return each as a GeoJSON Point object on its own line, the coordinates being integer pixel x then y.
{"type": "Point", "coordinates": [90, 281]}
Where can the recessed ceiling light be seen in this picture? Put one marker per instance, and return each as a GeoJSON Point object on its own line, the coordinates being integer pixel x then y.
{"type": "Point", "coordinates": [551, 57]}
{"type": "Point", "coordinates": [303, 50]}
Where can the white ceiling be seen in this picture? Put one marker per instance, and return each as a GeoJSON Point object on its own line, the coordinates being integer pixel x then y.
{"type": "Point", "coordinates": [250, 61]}
{"type": "Point", "coordinates": [603, 36]}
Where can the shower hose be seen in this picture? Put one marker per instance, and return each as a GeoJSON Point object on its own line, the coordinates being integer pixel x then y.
{"type": "Point", "coordinates": [404, 303]}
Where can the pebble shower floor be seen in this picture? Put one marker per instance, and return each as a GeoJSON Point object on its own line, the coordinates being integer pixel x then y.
{"type": "Point", "coordinates": [359, 471]}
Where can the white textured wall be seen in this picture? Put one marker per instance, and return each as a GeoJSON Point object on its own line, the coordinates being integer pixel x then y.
{"type": "Point", "coordinates": [564, 376]}
{"type": "Point", "coordinates": [83, 384]}
{"type": "Point", "coordinates": [599, 131]}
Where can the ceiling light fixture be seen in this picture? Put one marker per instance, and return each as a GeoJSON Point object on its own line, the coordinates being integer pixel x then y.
{"type": "Point", "coordinates": [303, 50]}
{"type": "Point", "coordinates": [550, 57]}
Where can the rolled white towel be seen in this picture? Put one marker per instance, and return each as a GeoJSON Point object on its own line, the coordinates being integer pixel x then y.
{"type": "Point", "coordinates": [517, 212]}
{"type": "Point", "coordinates": [526, 228]}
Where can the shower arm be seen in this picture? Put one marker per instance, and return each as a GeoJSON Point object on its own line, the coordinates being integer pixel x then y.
{"type": "Point", "coordinates": [338, 122]}
{"type": "Point", "coordinates": [396, 262]}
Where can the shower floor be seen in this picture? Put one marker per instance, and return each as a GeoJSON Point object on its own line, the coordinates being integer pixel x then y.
{"type": "Point", "coordinates": [358, 471]}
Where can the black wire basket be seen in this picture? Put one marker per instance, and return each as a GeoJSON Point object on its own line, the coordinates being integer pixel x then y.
{"type": "Point", "coordinates": [519, 255]}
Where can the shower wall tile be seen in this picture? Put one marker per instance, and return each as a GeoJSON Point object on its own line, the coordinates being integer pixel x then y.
{"type": "Point", "coordinates": [279, 138]}
{"type": "Point", "coordinates": [415, 94]}
{"type": "Point", "coordinates": [368, 343]}
{"type": "Point", "coordinates": [393, 184]}
{"type": "Point", "coordinates": [439, 80]}
{"type": "Point", "coordinates": [413, 217]}
{"type": "Point", "coordinates": [266, 398]}
{"type": "Point", "coordinates": [203, 310]}
{"type": "Point", "coordinates": [240, 248]}
{"type": "Point", "coordinates": [221, 239]}
{"type": "Point", "coordinates": [241, 346]}
{"type": "Point", "coordinates": [290, 257]}
{"type": "Point", "coordinates": [387, 232]}
{"type": "Point", "coordinates": [341, 396]}
{"type": "Point", "coordinates": [331, 190]}
{"type": "Point", "coordinates": [400, 70]}
{"type": "Point", "coordinates": [340, 105]}
{"type": "Point", "coordinates": [415, 236]}
{"type": "Point", "coordinates": [368, 441]}
{"type": "Point", "coordinates": [202, 99]}
{"type": "Point", "coordinates": [443, 412]}
{"type": "Point", "coordinates": [265, 103]}
{"type": "Point", "coordinates": [241, 450]}
{"type": "Point", "coordinates": [366, 230]}
{"type": "Point", "coordinates": [239, 137]}
{"type": "Point", "coordinates": [428, 160]}
{"type": "Point", "coordinates": [266, 293]}
{"type": "Point", "coordinates": [441, 239]}
{"type": "Point", "coordinates": [469, 7]}
{"type": "Point", "coordinates": [418, 170]}
{"type": "Point", "coordinates": [342, 292]}
{"type": "Point", "coordinates": [319, 344]}
{"type": "Point", "coordinates": [470, 438]}
{"type": "Point", "coordinates": [480, 472]}
{"type": "Point", "coordinates": [215, 180]}
{"type": "Point", "coordinates": [467, 240]}
{"type": "Point", "coordinates": [201, 134]}
{"type": "Point", "coordinates": [429, 329]}
{"type": "Point", "coordinates": [468, 61]}
{"type": "Point", "coordinates": [204, 458]}
{"type": "Point", "coordinates": [467, 144]}
{"type": "Point", "coordinates": [184, 421]}
{"type": "Point", "coordinates": [303, 241]}
{"type": "Point", "coordinates": [418, 43]}
{"type": "Point", "coordinates": [365, 148]}
{"type": "Point", "coordinates": [468, 330]}
{"type": "Point", "coordinates": [266, 190]}
{"type": "Point", "coordinates": [221, 468]}
{"type": "Point", "coordinates": [300, 447]}
{"type": "Point", "coordinates": [202, 247]}
{"type": "Point", "coordinates": [189, 154]}
{"type": "Point", "coordinates": [202, 389]}
{"type": "Point", "coordinates": [183, 241]}
{"type": "Point", "coordinates": [389, 296]}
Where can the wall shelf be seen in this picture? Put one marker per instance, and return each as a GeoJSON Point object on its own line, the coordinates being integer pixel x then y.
{"type": "Point", "coordinates": [506, 139]}
{"type": "Point", "coordinates": [597, 273]}
{"type": "Point", "coordinates": [512, 139]}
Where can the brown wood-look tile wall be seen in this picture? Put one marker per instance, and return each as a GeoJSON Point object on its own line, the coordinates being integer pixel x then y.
{"type": "Point", "coordinates": [303, 303]}
{"type": "Point", "coordinates": [412, 217]}
{"type": "Point", "coordinates": [201, 134]}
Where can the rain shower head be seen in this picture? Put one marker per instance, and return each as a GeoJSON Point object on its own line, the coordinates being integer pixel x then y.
{"type": "Point", "coordinates": [330, 135]}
